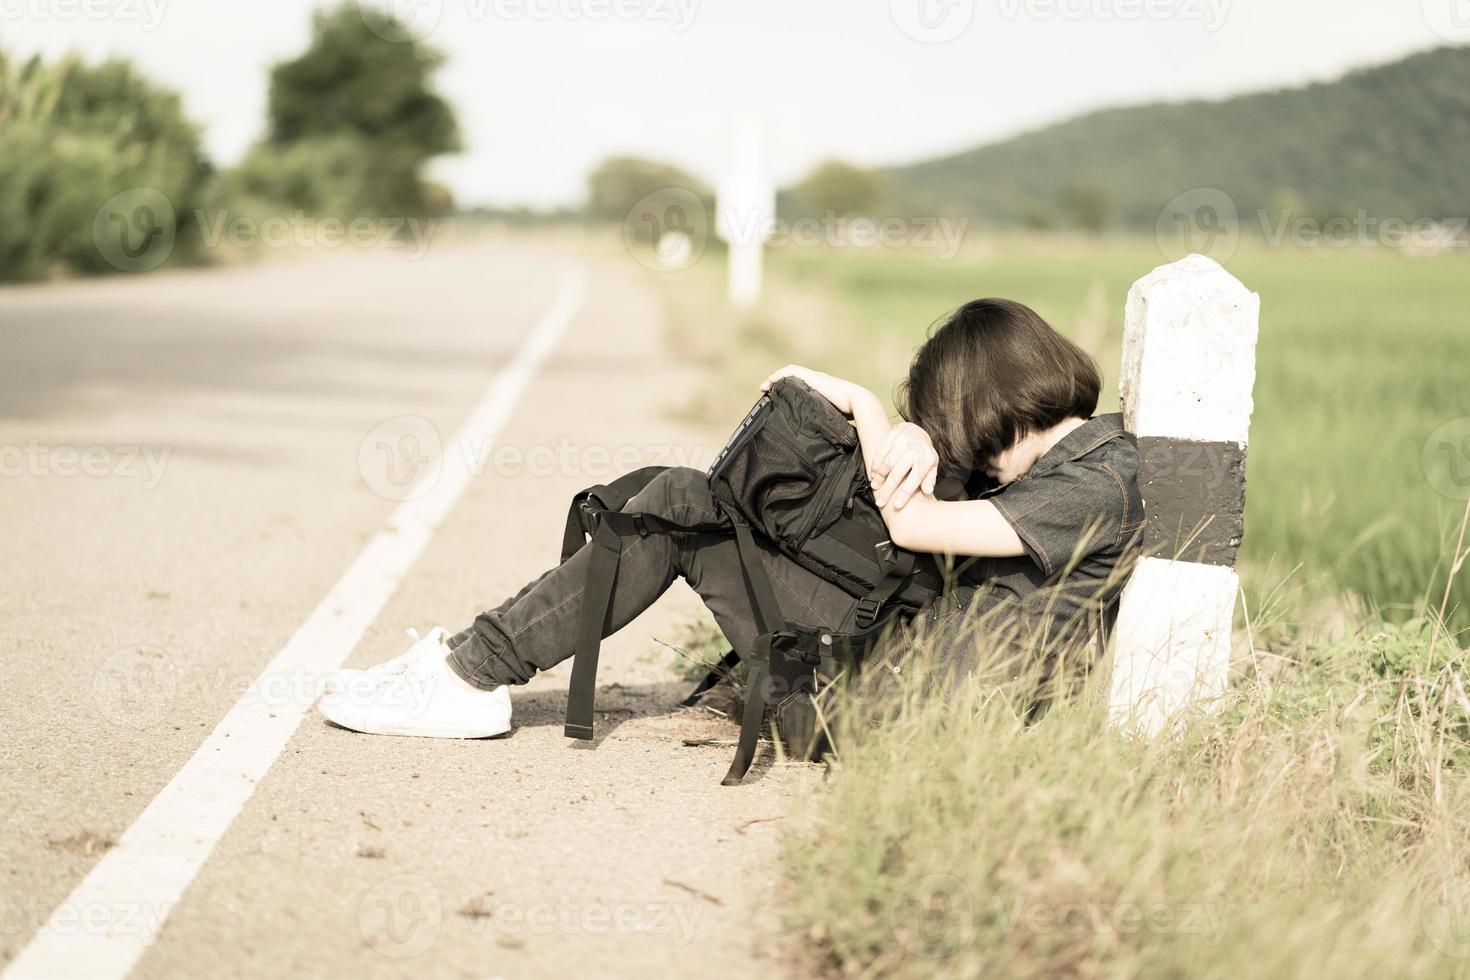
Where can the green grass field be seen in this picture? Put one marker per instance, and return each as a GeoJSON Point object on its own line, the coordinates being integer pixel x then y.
{"type": "Point", "coordinates": [1317, 823]}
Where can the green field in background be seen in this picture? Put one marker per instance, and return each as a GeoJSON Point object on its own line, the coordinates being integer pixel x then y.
{"type": "Point", "coordinates": [1362, 356]}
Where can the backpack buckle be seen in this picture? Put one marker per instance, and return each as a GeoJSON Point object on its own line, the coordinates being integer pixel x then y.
{"type": "Point", "coordinates": [867, 611]}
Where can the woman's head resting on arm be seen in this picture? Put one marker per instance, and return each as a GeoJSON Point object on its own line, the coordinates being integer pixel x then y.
{"type": "Point", "coordinates": [991, 377]}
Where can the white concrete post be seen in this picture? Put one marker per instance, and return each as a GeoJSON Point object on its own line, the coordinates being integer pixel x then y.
{"type": "Point", "coordinates": [745, 208]}
{"type": "Point", "coordinates": [1189, 365]}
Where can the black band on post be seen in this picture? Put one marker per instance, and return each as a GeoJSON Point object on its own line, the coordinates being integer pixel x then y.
{"type": "Point", "coordinates": [1194, 494]}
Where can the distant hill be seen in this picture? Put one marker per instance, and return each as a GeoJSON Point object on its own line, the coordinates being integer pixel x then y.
{"type": "Point", "coordinates": [1393, 140]}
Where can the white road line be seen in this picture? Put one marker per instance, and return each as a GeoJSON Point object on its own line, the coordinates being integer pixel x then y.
{"type": "Point", "coordinates": [115, 913]}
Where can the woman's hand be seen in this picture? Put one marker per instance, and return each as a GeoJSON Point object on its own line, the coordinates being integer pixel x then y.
{"type": "Point", "coordinates": [835, 390]}
{"type": "Point", "coordinates": [906, 462]}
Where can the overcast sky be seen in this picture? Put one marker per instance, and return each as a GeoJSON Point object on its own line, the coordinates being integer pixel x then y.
{"type": "Point", "coordinates": [544, 88]}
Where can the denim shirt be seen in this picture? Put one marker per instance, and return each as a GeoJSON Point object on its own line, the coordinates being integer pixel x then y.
{"type": "Point", "coordinates": [1079, 515]}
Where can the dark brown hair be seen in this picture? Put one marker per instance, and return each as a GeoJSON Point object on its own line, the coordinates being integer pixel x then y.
{"type": "Point", "coordinates": [992, 373]}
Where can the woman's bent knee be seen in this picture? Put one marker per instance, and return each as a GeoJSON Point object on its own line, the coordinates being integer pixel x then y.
{"type": "Point", "coordinates": [675, 493]}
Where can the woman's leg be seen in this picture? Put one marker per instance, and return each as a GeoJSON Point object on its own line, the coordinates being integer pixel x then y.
{"type": "Point", "coordinates": [537, 628]}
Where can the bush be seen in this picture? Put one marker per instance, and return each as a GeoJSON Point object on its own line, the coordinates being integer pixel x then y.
{"type": "Point", "coordinates": [333, 176]}
{"type": "Point", "coordinates": [72, 139]}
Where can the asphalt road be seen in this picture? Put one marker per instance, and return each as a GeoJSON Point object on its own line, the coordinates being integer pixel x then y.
{"type": "Point", "coordinates": [191, 461]}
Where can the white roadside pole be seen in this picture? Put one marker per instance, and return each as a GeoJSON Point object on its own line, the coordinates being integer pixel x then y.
{"type": "Point", "coordinates": [745, 208]}
{"type": "Point", "coordinates": [1188, 369]}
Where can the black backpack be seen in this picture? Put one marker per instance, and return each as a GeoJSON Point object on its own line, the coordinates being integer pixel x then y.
{"type": "Point", "coordinates": [793, 473]}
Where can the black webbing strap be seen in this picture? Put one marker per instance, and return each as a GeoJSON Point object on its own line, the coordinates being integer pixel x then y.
{"type": "Point", "coordinates": [602, 571]}
{"type": "Point", "coordinates": [755, 712]}
{"type": "Point", "coordinates": [716, 674]}
{"type": "Point", "coordinates": [608, 529]}
{"type": "Point", "coordinates": [871, 604]}
{"type": "Point", "coordinates": [614, 496]}
{"type": "Point", "coordinates": [768, 615]}
{"type": "Point", "coordinates": [769, 619]}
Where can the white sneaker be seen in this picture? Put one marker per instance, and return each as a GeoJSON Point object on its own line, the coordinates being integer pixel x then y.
{"type": "Point", "coordinates": [365, 680]}
{"type": "Point", "coordinates": [424, 698]}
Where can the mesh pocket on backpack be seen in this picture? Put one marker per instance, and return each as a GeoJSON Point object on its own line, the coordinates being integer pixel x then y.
{"type": "Point", "coordinates": [789, 471]}
{"type": "Point", "coordinates": [771, 485]}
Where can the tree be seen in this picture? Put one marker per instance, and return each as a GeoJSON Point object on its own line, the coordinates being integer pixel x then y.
{"type": "Point", "coordinates": [353, 88]}
{"type": "Point", "coordinates": [617, 185]}
{"type": "Point", "coordinates": [350, 80]}
{"type": "Point", "coordinates": [843, 188]}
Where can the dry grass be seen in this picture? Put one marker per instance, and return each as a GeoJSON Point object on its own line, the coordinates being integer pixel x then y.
{"type": "Point", "coordinates": [1316, 822]}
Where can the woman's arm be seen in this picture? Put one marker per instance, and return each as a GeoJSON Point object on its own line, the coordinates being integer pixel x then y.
{"type": "Point", "coordinates": [926, 523]}
{"type": "Point", "coordinates": [923, 522]}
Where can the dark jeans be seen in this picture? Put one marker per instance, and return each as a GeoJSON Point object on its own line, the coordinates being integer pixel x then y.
{"type": "Point", "coordinates": [537, 627]}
